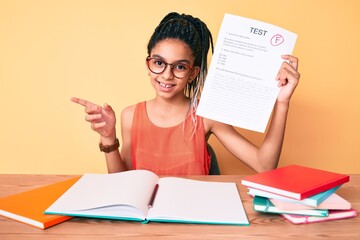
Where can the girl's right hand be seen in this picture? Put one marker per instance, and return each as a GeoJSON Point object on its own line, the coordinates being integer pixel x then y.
{"type": "Point", "coordinates": [102, 119]}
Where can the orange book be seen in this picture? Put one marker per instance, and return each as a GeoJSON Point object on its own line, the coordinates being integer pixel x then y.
{"type": "Point", "coordinates": [28, 207]}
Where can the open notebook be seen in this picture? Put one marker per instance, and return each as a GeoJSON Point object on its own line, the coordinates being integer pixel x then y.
{"type": "Point", "coordinates": [127, 196]}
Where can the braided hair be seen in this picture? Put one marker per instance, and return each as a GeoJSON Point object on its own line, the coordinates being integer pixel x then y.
{"type": "Point", "coordinates": [197, 36]}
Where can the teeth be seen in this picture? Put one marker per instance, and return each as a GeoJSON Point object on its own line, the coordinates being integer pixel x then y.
{"type": "Point", "coordinates": [165, 85]}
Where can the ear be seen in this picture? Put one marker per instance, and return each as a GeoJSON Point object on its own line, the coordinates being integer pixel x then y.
{"type": "Point", "coordinates": [194, 72]}
{"type": "Point", "coordinates": [146, 64]}
{"type": "Point", "coordinates": [147, 67]}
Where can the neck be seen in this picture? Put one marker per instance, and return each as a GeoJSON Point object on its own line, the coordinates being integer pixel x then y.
{"type": "Point", "coordinates": [168, 104]}
{"type": "Point", "coordinates": [168, 113]}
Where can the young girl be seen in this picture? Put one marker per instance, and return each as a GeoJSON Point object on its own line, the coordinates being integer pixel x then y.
{"type": "Point", "coordinates": [164, 134]}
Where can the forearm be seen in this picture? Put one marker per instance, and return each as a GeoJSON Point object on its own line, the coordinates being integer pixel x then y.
{"type": "Point", "coordinates": [270, 150]}
{"type": "Point", "coordinates": [269, 153]}
{"type": "Point", "coordinates": [114, 161]}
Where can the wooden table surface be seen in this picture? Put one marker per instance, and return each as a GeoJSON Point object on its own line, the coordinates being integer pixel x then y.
{"type": "Point", "coordinates": [262, 226]}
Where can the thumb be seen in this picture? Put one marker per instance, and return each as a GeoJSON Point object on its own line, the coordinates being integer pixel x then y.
{"type": "Point", "coordinates": [108, 108]}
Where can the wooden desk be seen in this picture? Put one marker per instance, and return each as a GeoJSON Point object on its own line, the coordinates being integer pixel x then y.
{"type": "Point", "coordinates": [262, 226]}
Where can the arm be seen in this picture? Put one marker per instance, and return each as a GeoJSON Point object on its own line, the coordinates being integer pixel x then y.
{"type": "Point", "coordinates": [103, 121]}
{"type": "Point", "coordinates": [288, 78]}
{"type": "Point", "coordinates": [266, 156]}
{"type": "Point", "coordinates": [117, 162]}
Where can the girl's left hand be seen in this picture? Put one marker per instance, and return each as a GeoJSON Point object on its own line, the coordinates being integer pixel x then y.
{"type": "Point", "coordinates": [288, 78]}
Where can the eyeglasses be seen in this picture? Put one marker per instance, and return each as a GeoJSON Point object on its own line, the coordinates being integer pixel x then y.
{"type": "Point", "coordinates": [179, 69]}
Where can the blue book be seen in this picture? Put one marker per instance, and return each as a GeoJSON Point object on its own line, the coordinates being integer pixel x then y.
{"type": "Point", "coordinates": [262, 204]}
{"type": "Point", "coordinates": [312, 201]}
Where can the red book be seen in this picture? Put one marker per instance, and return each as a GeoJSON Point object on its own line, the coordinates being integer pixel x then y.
{"type": "Point", "coordinates": [297, 182]}
{"type": "Point", "coordinates": [28, 207]}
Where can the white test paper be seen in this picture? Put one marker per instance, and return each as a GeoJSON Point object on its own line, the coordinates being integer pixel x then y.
{"type": "Point", "coordinates": [240, 88]}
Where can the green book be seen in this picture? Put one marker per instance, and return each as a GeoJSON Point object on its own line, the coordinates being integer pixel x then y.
{"type": "Point", "coordinates": [262, 204]}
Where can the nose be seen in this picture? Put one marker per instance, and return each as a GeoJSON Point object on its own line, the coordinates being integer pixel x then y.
{"type": "Point", "coordinates": [168, 74]}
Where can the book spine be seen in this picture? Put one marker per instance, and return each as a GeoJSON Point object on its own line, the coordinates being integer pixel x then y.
{"type": "Point", "coordinates": [324, 188]}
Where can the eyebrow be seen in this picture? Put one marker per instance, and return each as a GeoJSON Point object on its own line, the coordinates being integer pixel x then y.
{"type": "Point", "coordinates": [181, 60]}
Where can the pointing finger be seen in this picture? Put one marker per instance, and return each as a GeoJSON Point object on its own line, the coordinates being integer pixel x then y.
{"type": "Point", "coordinates": [81, 102]}
{"type": "Point", "coordinates": [90, 108]}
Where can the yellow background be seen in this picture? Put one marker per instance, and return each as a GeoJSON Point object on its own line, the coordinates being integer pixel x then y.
{"type": "Point", "coordinates": [53, 50]}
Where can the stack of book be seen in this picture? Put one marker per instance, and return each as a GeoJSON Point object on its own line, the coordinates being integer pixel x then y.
{"type": "Point", "coordinates": [299, 194]}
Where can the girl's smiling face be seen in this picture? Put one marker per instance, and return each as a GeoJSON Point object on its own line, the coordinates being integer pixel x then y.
{"type": "Point", "coordinates": [172, 51]}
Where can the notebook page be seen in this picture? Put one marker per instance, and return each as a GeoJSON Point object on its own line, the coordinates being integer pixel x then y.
{"type": "Point", "coordinates": [93, 193]}
{"type": "Point", "coordinates": [187, 200]}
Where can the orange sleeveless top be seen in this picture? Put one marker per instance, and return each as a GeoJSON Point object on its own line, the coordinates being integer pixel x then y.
{"type": "Point", "coordinates": [174, 150]}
